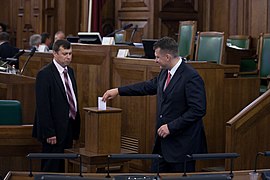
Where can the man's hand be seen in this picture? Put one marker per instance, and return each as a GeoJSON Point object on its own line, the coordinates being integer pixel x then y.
{"type": "Point", "coordinates": [51, 140]}
{"type": "Point", "coordinates": [110, 94]}
{"type": "Point", "coordinates": [163, 131]}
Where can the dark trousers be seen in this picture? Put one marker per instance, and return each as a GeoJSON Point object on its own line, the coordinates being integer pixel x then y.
{"type": "Point", "coordinates": [167, 167]}
{"type": "Point", "coordinates": [163, 166]}
{"type": "Point", "coordinates": [56, 165]}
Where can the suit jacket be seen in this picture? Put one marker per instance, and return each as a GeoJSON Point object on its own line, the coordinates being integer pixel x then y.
{"type": "Point", "coordinates": [8, 51]}
{"type": "Point", "coordinates": [52, 107]}
{"type": "Point", "coordinates": [182, 106]}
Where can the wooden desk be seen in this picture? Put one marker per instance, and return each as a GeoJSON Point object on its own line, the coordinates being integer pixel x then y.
{"type": "Point", "coordinates": [21, 88]}
{"type": "Point", "coordinates": [93, 162]}
{"type": "Point", "coordinates": [15, 143]}
{"type": "Point", "coordinates": [234, 56]}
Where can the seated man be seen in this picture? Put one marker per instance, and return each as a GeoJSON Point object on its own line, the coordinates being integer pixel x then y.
{"type": "Point", "coordinates": [59, 35]}
{"type": "Point", "coordinates": [45, 42]}
{"type": "Point", "coordinates": [35, 41]}
{"type": "Point", "coordinates": [7, 50]}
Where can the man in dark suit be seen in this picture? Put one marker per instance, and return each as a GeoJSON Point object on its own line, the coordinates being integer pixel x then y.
{"type": "Point", "coordinates": [57, 120]}
{"type": "Point", "coordinates": [7, 50]}
{"type": "Point", "coordinates": [181, 105]}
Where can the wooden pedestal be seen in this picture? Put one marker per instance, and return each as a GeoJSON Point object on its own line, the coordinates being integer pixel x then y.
{"type": "Point", "coordinates": [102, 130]}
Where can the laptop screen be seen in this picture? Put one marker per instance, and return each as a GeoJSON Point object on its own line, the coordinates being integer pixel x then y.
{"type": "Point", "coordinates": [90, 37]}
{"type": "Point", "coordinates": [148, 48]}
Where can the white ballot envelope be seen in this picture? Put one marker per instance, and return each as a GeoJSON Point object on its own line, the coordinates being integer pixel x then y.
{"type": "Point", "coordinates": [101, 104]}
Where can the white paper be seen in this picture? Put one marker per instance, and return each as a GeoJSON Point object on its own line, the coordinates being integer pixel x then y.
{"type": "Point", "coordinates": [122, 53]}
{"type": "Point", "coordinates": [101, 104]}
{"type": "Point", "coordinates": [108, 41]}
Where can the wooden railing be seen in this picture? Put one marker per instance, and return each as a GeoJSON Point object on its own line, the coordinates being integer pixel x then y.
{"type": "Point", "coordinates": [247, 133]}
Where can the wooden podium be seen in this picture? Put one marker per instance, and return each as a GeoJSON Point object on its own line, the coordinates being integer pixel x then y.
{"type": "Point", "coordinates": [21, 88]}
{"type": "Point", "coordinates": [103, 130]}
{"type": "Point", "coordinates": [102, 137]}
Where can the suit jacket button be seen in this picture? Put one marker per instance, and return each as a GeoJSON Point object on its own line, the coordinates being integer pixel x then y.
{"type": "Point", "coordinates": [160, 116]}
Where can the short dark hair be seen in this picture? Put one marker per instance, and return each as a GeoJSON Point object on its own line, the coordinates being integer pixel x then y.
{"type": "Point", "coordinates": [167, 45]}
{"type": "Point", "coordinates": [4, 27]}
{"type": "Point", "coordinates": [61, 43]}
{"type": "Point", "coordinates": [44, 36]}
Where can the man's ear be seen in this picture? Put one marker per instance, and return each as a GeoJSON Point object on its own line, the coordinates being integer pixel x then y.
{"type": "Point", "coordinates": [168, 57]}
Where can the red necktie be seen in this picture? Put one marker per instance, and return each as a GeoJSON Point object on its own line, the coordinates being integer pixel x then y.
{"type": "Point", "coordinates": [168, 80]}
{"type": "Point", "coordinates": [72, 110]}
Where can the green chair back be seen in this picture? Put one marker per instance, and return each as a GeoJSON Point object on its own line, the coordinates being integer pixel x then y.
{"type": "Point", "coordinates": [248, 66]}
{"type": "Point", "coordinates": [210, 47]}
{"type": "Point", "coordinates": [10, 112]}
{"type": "Point", "coordinates": [186, 38]}
{"type": "Point", "coordinates": [264, 56]}
{"type": "Point", "coordinates": [263, 61]}
{"type": "Point", "coordinates": [241, 41]}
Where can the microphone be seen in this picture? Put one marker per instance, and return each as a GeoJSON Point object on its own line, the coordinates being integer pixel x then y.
{"type": "Point", "coordinates": [127, 26]}
{"type": "Point", "coordinates": [133, 33]}
{"type": "Point", "coordinates": [16, 56]}
{"type": "Point", "coordinates": [33, 50]}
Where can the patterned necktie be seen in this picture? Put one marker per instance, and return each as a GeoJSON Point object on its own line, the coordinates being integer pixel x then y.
{"type": "Point", "coordinates": [72, 110]}
{"type": "Point", "coordinates": [168, 80]}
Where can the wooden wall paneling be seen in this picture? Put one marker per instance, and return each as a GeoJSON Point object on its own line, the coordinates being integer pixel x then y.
{"type": "Point", "coordinates": [233, 18]}
{"type": "Point", "coordinates": [108, 19]}
{"type": "Point", "coordinates": [258, 18]}
{"type": "Point", "coordinates": [84, 15]}
{"type": "Point", "coordinates": [235, 91]}
{"type": "Point", "coordinates": [72, 11]}
{"type": "Point", "coordinates": [139, 12]}
{"type": "Point", "coordinates": [220, 16]}
{"type": "Point", "coordinates": [204, 15]}
{"type": "Point", "coordinates": [5, 11]}
{"type": "Point", "coordinates": [171, 12]}
{"type": "Point", "coordinates": [49, 20]}
{"type": "Point", "coordinates": [29, 21]}
{"type": "Point", "coordinates": [13, 21]}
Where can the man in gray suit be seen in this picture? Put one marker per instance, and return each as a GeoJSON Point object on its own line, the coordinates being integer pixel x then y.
{"type": "Point", "coordinates": [57, 120]}
{"type": "Point", "coordinates": [181, 106]}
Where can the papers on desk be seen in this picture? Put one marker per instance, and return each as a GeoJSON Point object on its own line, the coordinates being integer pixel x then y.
{"type": "Point", "coordinates": [235, 47]}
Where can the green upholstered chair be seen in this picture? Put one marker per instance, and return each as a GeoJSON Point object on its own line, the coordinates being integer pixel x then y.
{"type": "Point", "coordinates": [241, 41]}
{"type": "Point", "coordinates": [264, 61]}
{"type": "Point", "coordinates": [10, 112]}
{"type": "Point", "coordinates": [210, 47]}
{"type": "Point", "coordinates": [186, 38]}
{"type": "Point", "coordinates": [248, 66]}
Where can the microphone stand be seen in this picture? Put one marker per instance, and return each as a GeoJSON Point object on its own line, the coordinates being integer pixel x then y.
{"type": "Point", "coordinates": [29, 57]}
{"type": "Point", "coordinates": [133, 33]}
{"type": "Point", "coordinates": [130, 43]}
{"type": "Point", "coordinates": [24, 65]}
{"type": "Point", "coordinates": [118, 30]}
